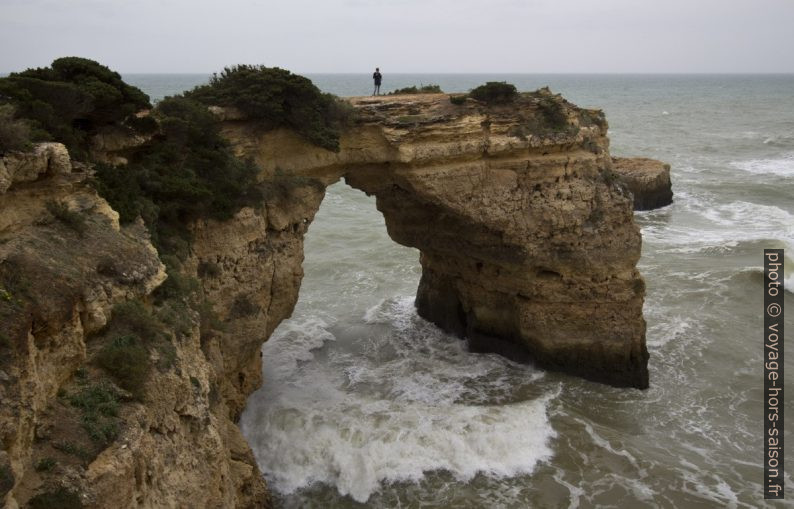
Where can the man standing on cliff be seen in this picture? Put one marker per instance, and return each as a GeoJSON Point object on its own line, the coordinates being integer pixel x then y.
{"type": "Point", "coordinates": [377, 77]}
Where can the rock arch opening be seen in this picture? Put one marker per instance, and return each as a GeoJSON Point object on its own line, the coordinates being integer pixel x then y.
{"type": "Point", "coordinates": [528, 247]}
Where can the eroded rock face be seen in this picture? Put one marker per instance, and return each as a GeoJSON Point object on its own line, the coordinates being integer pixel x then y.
{"type": "Point", "coordinates": [44, 159]}
{"type": "Point", "coordinates": [527, 248]}
{"type": "Point", "coordinates": [61, 274]}
{"type": "Point", "coordinates": [647, 179]}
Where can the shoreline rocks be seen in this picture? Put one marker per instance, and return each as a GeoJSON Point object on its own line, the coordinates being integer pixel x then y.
{"type": "Point", "coordinates": [647, 179]}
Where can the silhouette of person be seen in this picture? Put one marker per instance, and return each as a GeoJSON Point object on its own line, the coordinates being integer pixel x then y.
{"type": "Point", "coordinates": [377, 77]}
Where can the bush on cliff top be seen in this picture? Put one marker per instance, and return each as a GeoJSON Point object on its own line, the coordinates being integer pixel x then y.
{"type": "Point", "coordinates": [187, 172]}
{"type": "Point", "coordinates": [494, 92]}
{"type": "Point", "coordinates": [278, 98]}
{"type": "Point", "coordinates": [71, 99]}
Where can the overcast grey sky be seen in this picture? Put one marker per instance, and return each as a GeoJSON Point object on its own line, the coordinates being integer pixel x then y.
{"type": "Point", "coordinates": [404, 35]}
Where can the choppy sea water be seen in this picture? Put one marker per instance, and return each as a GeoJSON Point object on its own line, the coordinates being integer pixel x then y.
{"type": "Point", "coordinates": [366, 405]}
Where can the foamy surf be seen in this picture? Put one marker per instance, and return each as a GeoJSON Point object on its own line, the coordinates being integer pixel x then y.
{"type": "Point", "coordinates": [390, 408]}
{"type": "Point", "coordinates": [781, 166]}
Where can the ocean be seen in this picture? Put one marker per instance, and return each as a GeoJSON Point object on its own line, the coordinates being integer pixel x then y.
{"type": "Point", "coordinates": [364, 404]}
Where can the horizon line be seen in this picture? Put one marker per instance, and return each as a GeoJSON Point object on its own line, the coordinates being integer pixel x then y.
{"type": "Point", "coordinates": [527, 73]}
{"type": "Point", "coordinates": [452, 73]}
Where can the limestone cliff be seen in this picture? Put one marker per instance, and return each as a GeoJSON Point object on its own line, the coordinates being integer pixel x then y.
{"type": "Point", "coordinates": [65, 265]}
{"type": "Point", "coordinates": [648, 180]}
{"type": "Point", "coordinates": [528, 248]}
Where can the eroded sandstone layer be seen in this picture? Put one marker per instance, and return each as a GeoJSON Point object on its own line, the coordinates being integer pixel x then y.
{"type": "Point", "coordinates": [528, 248]}
{"type": "Point", "coordinates": [647, 179]}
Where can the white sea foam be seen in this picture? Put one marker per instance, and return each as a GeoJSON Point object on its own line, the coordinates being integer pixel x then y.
{"type": "Point", "coordinates": [783, 166]}
{"type": "Point", "coordinates": [408, 402]}
{"type": "Point", "coordinates": [717, 228]}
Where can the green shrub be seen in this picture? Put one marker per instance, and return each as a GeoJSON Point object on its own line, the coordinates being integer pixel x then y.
{"type": "Point", "coordinates": [177, 286]}
{"type": "Point", "coordinates": [59, 498]}
{"type": "Point", "coordinates": [45, 465]}
{"type": "Point", "coordinates": [14, 133]}
{"type": "Point", "coordinates": [99, 406]}
{"type": "Point", "coordinates": [177, 315]}
{"type": "Point", "coordinates": [132, 317]}
{"type": "Point", "coordinates": [458, 99]}
{"type": "Point", "coordinates": [188, 172]}
{"type": "Point", "coordinates": [553, 114]}
{"type": "Point", "coordinates": [495, 92]}
{"type": "Point", "coordinates": [276, 97]}
{"type": "Point", "coordinates": [126, 359]}
{"type": "Point", "coordinates": [70, 100]}
{"type": "Point", "coordinates": [422, 89]}
{"type": "Point", "coordinates": [70, 218]}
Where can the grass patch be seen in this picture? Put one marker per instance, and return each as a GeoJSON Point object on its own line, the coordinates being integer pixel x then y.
{"type": "Point", "coordinates": [74, 220]}
{"type": "Point", "coordinates": [59, 498]}
{"type": "Point", "coordinates": [99, 407]}
{"type": "Point", "coordinates": [126, 359]}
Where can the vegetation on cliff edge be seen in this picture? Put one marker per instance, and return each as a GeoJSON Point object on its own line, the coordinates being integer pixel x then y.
{"type": "Point", "coordinates": [494, 92]}
{"type": "Point", "coordinates": [187, 172]}
{"type": "Point", "coordinates": [278, 98]}
{"type": "Point", "coordinates": [422, 89]}
{"type": "Point", "coordinates": [70, 100]}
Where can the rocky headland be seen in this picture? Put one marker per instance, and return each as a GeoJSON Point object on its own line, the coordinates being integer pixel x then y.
{"type": "Point", "coordinates": [526, 240]}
